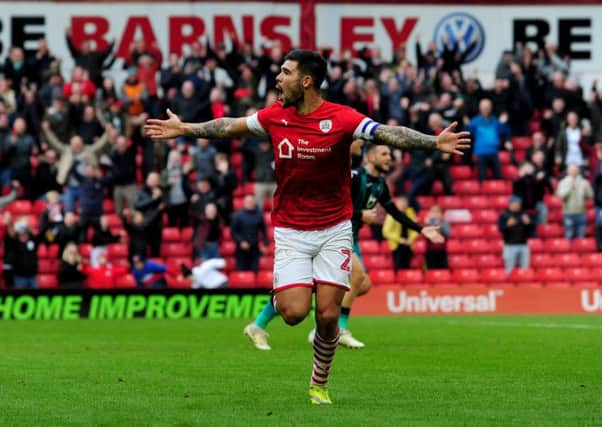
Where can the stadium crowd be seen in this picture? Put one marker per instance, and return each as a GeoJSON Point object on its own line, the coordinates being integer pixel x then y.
{"type": "Point", "coordinates": [88, 198]}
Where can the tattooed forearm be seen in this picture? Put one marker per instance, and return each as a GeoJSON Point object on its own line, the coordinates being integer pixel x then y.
{"type": "Point", "coordinates": [218, 128]}
{"type": "Point", "coordinates": [404, 138]}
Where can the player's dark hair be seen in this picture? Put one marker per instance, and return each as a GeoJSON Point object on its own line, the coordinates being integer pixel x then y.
{"type": "Point", "coordinates": [309, 63]}
{"type": "Point", "coordinates": [368, 147]}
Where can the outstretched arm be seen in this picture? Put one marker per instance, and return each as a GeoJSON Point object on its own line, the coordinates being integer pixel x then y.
{"type": "Point", "coordinates": [214, 129]}
{"type": "Point", "coordinates": [408, 139]}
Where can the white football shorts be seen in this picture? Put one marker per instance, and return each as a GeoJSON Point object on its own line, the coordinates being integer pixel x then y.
{"type": "Point", "coordinates": [307, 258]}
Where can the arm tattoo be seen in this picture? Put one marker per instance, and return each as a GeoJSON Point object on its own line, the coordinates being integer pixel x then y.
{"type": "Point", "coordinates": [218, 128]}
{"type": "Point", "coordinates": [404, 138]}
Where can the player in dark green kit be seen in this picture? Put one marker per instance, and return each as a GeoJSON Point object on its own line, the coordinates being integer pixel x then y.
{"type": "Point", "coordinates": [368, 188]}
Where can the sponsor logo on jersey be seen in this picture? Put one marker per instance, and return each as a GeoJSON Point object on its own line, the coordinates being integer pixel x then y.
{"type": "Point", "coordinates": [325, 125]}
{"type": "Point", "coordinates": [463, 30]}
{"type": "Point", "coordinates": [285, 149]}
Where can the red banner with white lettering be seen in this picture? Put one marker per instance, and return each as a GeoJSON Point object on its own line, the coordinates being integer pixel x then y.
{"type": "Point", "coordinates": [390, 300]}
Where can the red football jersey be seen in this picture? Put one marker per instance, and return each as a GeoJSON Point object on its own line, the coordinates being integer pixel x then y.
{"type": "Point", "coordinates": [312, 163]}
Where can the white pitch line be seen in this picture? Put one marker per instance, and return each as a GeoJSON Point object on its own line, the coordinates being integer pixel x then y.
{"type": "Point", "coordinates": [526, 325]}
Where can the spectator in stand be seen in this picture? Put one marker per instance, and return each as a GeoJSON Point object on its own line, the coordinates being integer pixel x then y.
{"type": "Point", "coordinates": [16, 69]}
{"type": "Point", "coordinates": [207, 232]}
{"type": "Point", "coordinates": [487, 132]}
{"type": "Point", "coordinates": [203, 158]}
{"type": "Point", "coordinates": [136, 225]}
{"type": "Point", "coordinates": [7, 94]}
{"type": "Point", "coordinates": [436, 253]}
{"type": "Point", "coordinates": [123, 173]}
{"type": "Point", "coordinates": [89, 128]}
{"type": "Point", "coordinates": [207, 274]}
{"type": "Point", "coordinates": [59, 118]}
{"type": "Point", "coordinates": [192, 104]}
{"type": "Point", "coordinates": [90, 59]}
{"type": "Point", "coordinates": [574, 190]}
{"type": "Point", "coordinates": [104, 275]}
{"type": "Point", "coordinates": [148, 274]}
{"type": "Point", "coordinates": [91, 194]}
{"type": "Point", "coordinates": [571, 143]}
{"type": "Point", "coordinates": [171, 77]}
{"type": "Point", "coordinates": [75, 151]}
{"type": "Point", "coordinates": [149, 201]}
{"type": "Point", "coordinates": [19, 150]}
{"type": "Point", "coordinates": [68, 232]}
{"type": "Point", "coordinates": [202, 195]}
{"type": "Point", "coordinates": [45, 179]}
{"type": "Point", "coordinates": [265, 179]}
{"type": "Point", "coordinates": [5, 135]}
{"type": "Point", "coordinates": [400, 238]}
{"type": "Point", "coordinates": [52, 218]}
{"type": "Point", "coordinates": [23, 255]}
{"type": "Point", "coordinates": [174, 180]}
{"type": "Point", "coordinates": [80, 86]}
{"type": "Point", "coordinates": [516, 227]}
{"type": "Point", "coordinates": [71, 275]}
{"type": "Point", "coordinates": [101, 239]}
{"type": "Point", "coordinates": [133, 93]}
{"type": "Point", "coordinates": [531, 189]}
{"type": "Point", "coordinates": [598, 204]}
{"type": "Point", "coordinates": [225, 184]}
{"type": "Point", "coordinates": [543, 178]}
{"type": "Point", "coordinates": [247, 224]}
{"type": "Point", "coordinates": [546, 147]}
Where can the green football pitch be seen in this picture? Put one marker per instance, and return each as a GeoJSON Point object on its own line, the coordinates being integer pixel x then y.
{"type": "Point", "coordinates": [431, 371]}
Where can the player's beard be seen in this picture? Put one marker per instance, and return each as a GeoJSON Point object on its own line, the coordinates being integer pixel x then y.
{"type": "Point", "coordinates": [382, 169]}
{"type": "Point", "coordinates": [295, 98]}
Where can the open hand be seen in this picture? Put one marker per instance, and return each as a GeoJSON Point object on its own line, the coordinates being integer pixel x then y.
{"type": "Point", "coordinates": [432, 233]}
{"type": "Point", "coordinates": [449, 141]}
{"type": "Point", "coordinates": [164, 129]}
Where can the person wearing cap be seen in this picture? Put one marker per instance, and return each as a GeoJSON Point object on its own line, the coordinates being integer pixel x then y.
{"type": "Point", "coordinates": [148, 274]}
{"type": "Point", "coordinates": [516, 227]}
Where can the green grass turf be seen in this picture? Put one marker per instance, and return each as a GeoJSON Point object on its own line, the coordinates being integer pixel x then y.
{"type": "Point", "coordinates": [429, 371]}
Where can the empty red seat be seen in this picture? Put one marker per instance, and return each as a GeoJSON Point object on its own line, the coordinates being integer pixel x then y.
{"type": "Point", "coordinates": [550, 274]}
{"type": "Point", "coordinates": [579, 274]}
{"type": "Point", "coordinates": [497, 186]}
{"type": "Point", "coordinates": [587, 244]}
{"type": "Point", "coordinates": [108, 206]}
{"type": "Point", "coordinates": [535, 245]}
{"type": "Point", "coordinates": [186, 234]}
{"type": "Point", "coordinates": [50, 251]}
{"type": "Point", "coordinates": [47, 281]}
{"type": "Point", "coordinates": [450, 202]}
{"type": "Point", "coordinates": [377, 262]}
{"type": "Point", "coordinates": [466, 187]}
{"type": "Point", "coordinates": [48, 266]}
{"type": "Point", "coordinates": [591, 259]}
{"type": "Point", "coordinates": [477, 202]}
{"type": "Point", "coordinates": [365, 233]}
{"type": "Point", "coordinates": [552, 201]}
{"type": "Point", "coordinates": [467, 231]}
{"type": "Point", "coordinates": [460, 261]}
{"type": "Point", "coordinates": [504, 157]}
{"type": "Point", "coordinates": [569, 259]}
{"type": "Point", "coordinates": [522, 275]}
{"type": "Point", "coordinates": [498, 202]}
{"type": "Point", "coordinates": [266, 263]}
{"type": "Point", "coordinates": [488, 260]}
{"type": "Point", "coordinates": [125, 281]}
{"type": "Point", "coordinates": [557, 245]}
{"type": "Point", "coordinates": [539, 260]}
{"type": "Point", "coordinates": [488, 216]}
{"type": "Point", "coordinates": [550, 231]}
{"type": "Point", "coordinates": [118, 250]}
{"type": "Point", "coordinates": [383, 277]}
{"type": "Point", "coordinates": [437, 276]}
{"type": "Point", "coordinates": [521, 142]}
{"type": "Point", "coordinates": [241, 279]}
{"type": "Point", "coordinates": [227, 248]}
{"type": "Point", "coordinates": [510, 172]}
{"type": "Point", "coordinates": [477, 246]}
{"type": "Point", "coordinates": [264, 279]}
{"type": "Point", "coordinates": [369, 247]}
{"type": "Point", "coordinates": [175, 250]}
{"type": "Point", "coordinates": [466, 275]}
{"type": "Point", "coordinates": [493, 275]}
{"type": "Point", "coordinates": [426, 202]}
{"type": "Point", "coordinates": [490, 231]}
{"type": "Point", "coordinates": [20, 207]}
{"type": "Point", "coordinates": [460, 172]}
{"type": "Point", "coordinates": [455, 246]}
{"type": "Point", "coordinates": [171, 234]}
{"type": "Point", "coordinates": [405, 277]}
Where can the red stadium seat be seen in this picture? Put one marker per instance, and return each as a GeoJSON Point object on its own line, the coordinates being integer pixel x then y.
{"type": "Point", "coordinates": [579, 274]}
{"type": "Point", "coordinates": [450, 202]}
{"type": "Point", "coordinates": [266, 263]}
{"type": "Point", "coordinates": [552, 201]}
{"type": "Point", "coordinates": [550, 274]}
{"type": "Point", "coordinates": [438, 276]}
{"type": "Point", "coordinates": [186, 234]}
{"type": "Point", "coordinates": [227, 248]}
{"type": "Point", "coordinates": [467, 231]}
{"type": "Point", "coordinates": [488, 260]}
{"type": "Point", "coordinates": [176, 250]}
{"type": "Point", "coordinates": [485, 216]}
{"type": "Point", "coordinates": [491, 231]}
{"type": "Point", "coordinates": [177, 282]}
{"type": "Point", "coordinates": [426, 202]}
{"type": "Point", "coordinates": [171, 234]}
{"type": "Point", "coordinates": [591, 260]}
{"type": "Point", "coordinates": [468, 275]}
{"type": "Point", "coordinates": [48, 266]}
{"type": "Point", "coordinates": [118, 250]}
{"type": "Point", "coordinates": [550, 231]}
{"type": "Point", "coordinates": [557, 245]}
{"type": "Point", "coordinates": [241, 279]}
{"type": "Point", "coordinates": [107, 206]}
{"type": "Point", "coordinates": [466, 187]}
{"type": "Point", "coordinates": [587, 244]}
{"type": "Point", "coordinates": [491, 187]}
{"type": "Point", "coordinates": [570, 260]}
{"type": "Point", "coordinates": [460, 172]}
{"type": "Point", "coordinates": [477, 246]}
{"type": "Point", "coordinates": [38, 207]}
{"type": "Point", "coordinates": [226, 234]}
{"type": "Point", "coordinates": [522, 275]}
{"type": "Point", "coordinates": [47, 281]}
{"type": "Point", "coordinates": [535, 245]}
{"type": "Point", "coordinates": [405, 277]}
{"type": "Point", "coordinates": [365, 233]}
{"type": "Point", "coordinates": [51, 251]}
{"type": "Point", "coordinates": [369, 247]}
{"type": "Point", "coordinates": [265, 279]}
{"type": "Point", "coordinates": [499, 202]}
{"type": "Point", "coordinates": [510, 172]}
{"type": "Point", "coordinates": [521, 142]}
{"type": "Point", "coordinates": [540, 260]}
{"type": "Point", "coordinates": [504, 158]}
{"type": "Point", "coordinates": [383, 277]}
{"type": "Point", "coordinates": [377, 262]}
{"type": "Point", "coordinates": [493, 275]}
{"type": "Point", "coordinates": [460, 261]}
{"type": "Point", "coordinates": [455, 246]}
{"type": "Point", "coordinates": [126, 281]}
{"type": "Point", "coordinates": [477, 202]}
{"type": "Point", "coordinates": [20, 207]}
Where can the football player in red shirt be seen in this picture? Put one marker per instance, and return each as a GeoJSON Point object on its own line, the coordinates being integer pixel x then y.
{"type": "Point", "coordinates": [311, 139]}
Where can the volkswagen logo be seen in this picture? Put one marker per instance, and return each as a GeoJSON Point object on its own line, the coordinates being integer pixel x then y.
{"type": "Point", "coordinates": [463, 30]}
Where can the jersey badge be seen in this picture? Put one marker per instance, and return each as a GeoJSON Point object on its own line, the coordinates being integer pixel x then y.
{"type": "Point", "coordinates": [325, 125]}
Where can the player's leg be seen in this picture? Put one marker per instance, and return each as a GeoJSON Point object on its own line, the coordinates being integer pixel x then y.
{"type": "Point", "coordinates": [256, 330]}
{"type": "Point", "coordinates": [332, 266]}
{"type": "Point", "coordinates": [360, 285]}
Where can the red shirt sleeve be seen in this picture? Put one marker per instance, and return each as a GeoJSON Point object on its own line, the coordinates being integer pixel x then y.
{"type": "Point", "coordinates": [358, 125]}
